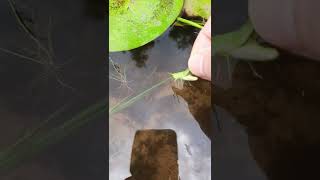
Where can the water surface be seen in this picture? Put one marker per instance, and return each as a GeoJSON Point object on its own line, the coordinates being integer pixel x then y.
{"type": "Point", "coordinates": [269, 117]}
{"type": "Point", "coordinates": [165, 108]}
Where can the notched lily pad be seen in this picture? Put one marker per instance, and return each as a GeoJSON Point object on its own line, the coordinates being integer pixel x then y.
{"type": "Point", "coordinates": [134, 23]}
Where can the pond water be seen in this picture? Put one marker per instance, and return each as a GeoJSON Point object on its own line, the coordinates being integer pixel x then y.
{"type": "Point", "coordinates": [32, 91]}
{"type": "Point", "coordinates": [268, 128]}
{"type": "Point", "coordinates": [171, 106]}
{"type": "Point", "coordinates": [269, 116]}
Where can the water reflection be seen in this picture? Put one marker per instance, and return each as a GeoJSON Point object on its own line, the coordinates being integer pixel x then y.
{"type": "Point", "coordinates": [280, 114]}
{"type": "Point", "coordinates": [183, 41]}
{"type": "Point", "coordinates": [231, 151]}
{"type": "Point", "coordinates": [140, 55]}
{"type": "Point", "coordinates": [198, 97]}
{"type": "Point", "coordinates": [154, 155]}
{"type": "Point", "coordinates": [159, 110]}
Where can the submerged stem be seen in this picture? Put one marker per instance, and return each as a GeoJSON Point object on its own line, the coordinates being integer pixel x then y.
{"type": "Point", "coordinates": [35, 141]}
{"type": "Point", "coordinates": [191, 23]}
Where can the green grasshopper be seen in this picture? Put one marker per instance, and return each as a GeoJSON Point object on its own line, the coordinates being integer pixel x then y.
{"type": "Point", "coordinates": [184, 75]}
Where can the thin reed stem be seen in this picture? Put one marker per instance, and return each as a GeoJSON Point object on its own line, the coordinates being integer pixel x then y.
{"type": "Point", "coordinates": [128, 101]}
{"type": "Point", "coordinates": [191, 23]}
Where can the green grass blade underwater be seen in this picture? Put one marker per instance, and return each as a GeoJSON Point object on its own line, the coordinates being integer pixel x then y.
{"type": "Point", "coordinates": [129, 101]}
{"type": "Point", "coordinates": [184, 75]}
{"type": "Point", "coordinates": [33, 143]}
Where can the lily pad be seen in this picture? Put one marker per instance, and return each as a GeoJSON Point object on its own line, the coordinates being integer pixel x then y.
{"type": "Point", "coordinates": [134, 23]}
{"type": "Point", "coordinates": [199, 8]}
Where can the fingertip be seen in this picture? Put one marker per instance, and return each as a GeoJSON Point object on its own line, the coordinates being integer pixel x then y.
{"type": "Point", "coordinates": [200, 66]}
{"type": "Point", "coordinates": [195, 64]}
{"type": "Point", "coordinates": [206, 30]}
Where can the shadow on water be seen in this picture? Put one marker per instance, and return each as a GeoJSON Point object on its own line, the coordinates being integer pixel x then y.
{"type": "Point", "coordinates": [183, 41]}
{"type": "Point", "coordinates": [31, 91]}
{"type": "Point", "coordinates": [280, 113]}
{"type": "Point", "coordinates": [140, 55]}
{"type": "Point", "coordinates": [198, 96]}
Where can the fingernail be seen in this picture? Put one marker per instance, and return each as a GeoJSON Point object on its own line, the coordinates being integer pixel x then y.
{"type": "Point", "coordinates": [196, 66]}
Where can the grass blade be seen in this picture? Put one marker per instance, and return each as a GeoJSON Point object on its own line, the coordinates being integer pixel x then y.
{"type": "Point", "coordinates": [129, 101]}
{"type": "Point", "coordinates": [35, 143]}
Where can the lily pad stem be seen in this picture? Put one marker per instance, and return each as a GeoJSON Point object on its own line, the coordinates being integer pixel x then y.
{"type": "Point", "coordinates": [191, 23]}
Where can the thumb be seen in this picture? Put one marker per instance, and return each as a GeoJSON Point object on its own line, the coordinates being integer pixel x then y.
{"type": "Point", "coordinates": [200, 59]}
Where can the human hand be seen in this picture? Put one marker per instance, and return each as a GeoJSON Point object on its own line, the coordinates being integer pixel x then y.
{"type": "Point", "coordinates": [200, 59]}
{"type": "Point", "coordinates": [289, 24]}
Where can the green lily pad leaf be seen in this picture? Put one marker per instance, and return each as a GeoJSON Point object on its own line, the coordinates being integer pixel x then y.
{"type": "Point", "coordinates": [201, 8]}
{"type": "Point", "coordinates": [134, 23]}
